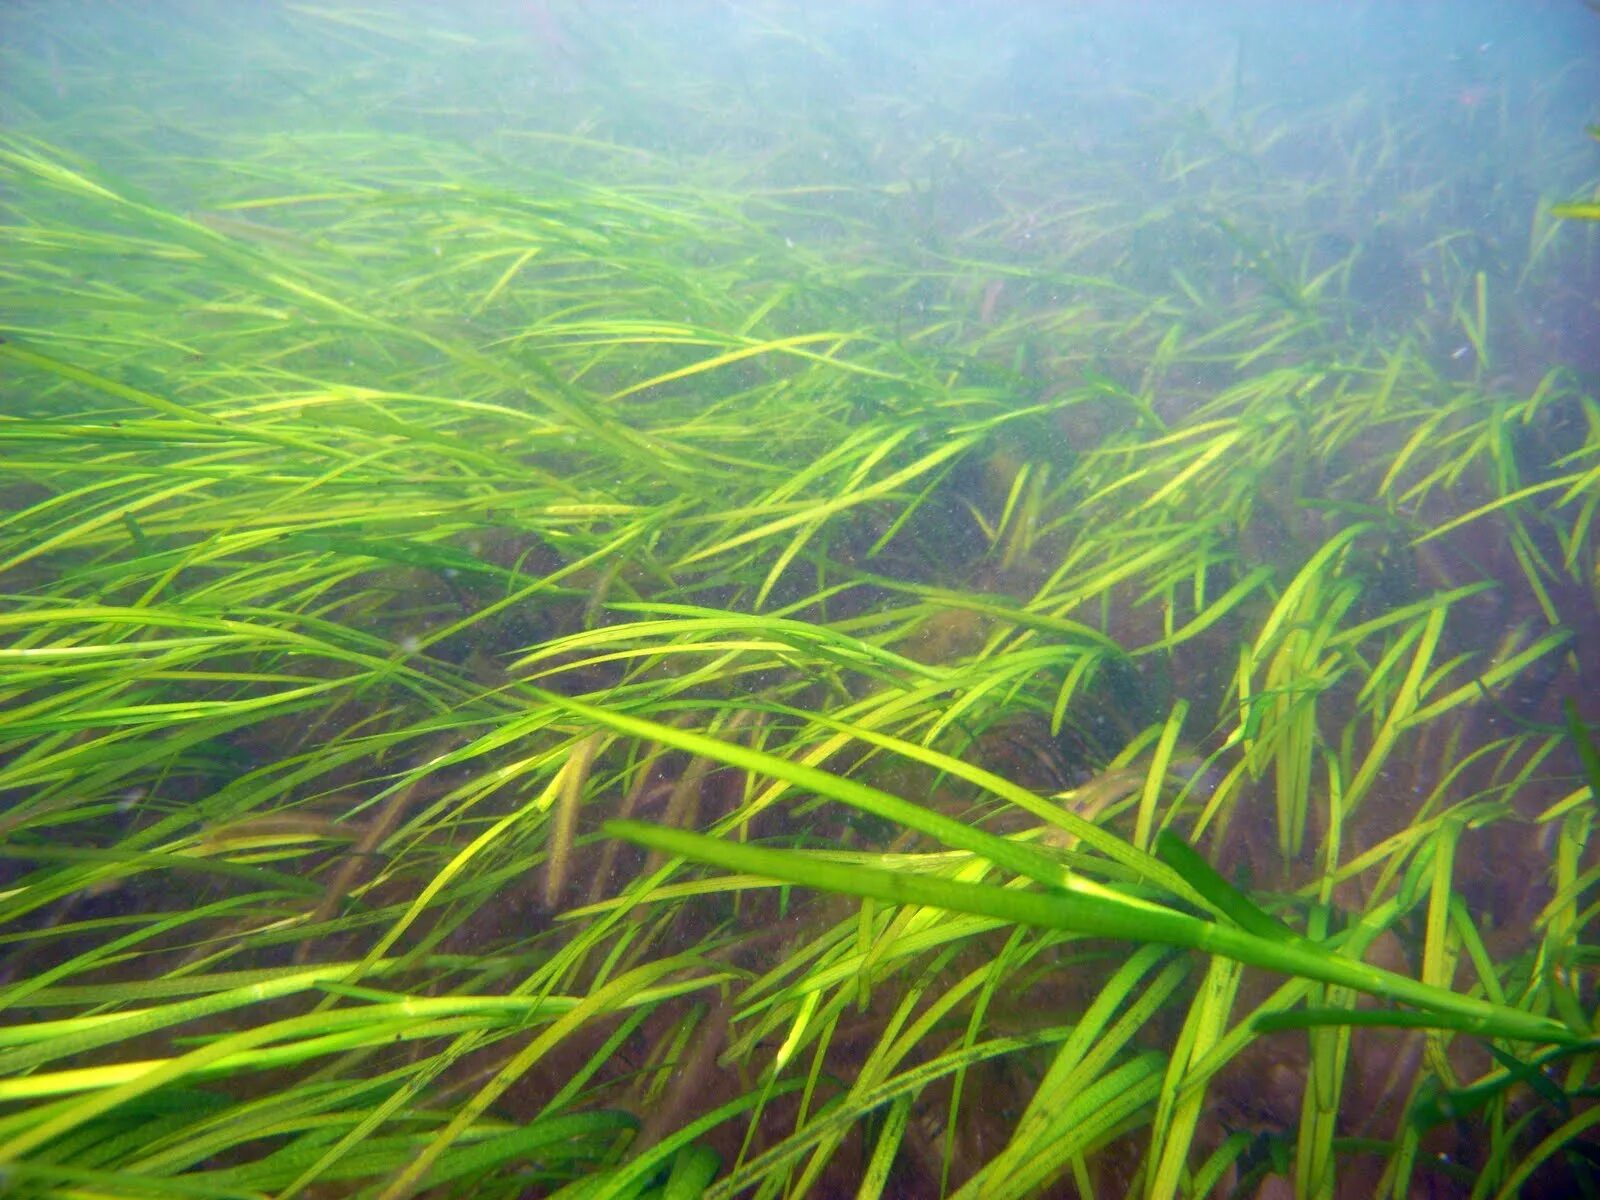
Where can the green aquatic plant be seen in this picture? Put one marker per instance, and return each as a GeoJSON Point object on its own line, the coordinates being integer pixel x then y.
{"type": "Point", "coordinates": [422, 546]}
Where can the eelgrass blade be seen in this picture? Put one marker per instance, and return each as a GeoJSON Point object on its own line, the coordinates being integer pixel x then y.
{"type": "Point", "coordinates": [1099, 917]}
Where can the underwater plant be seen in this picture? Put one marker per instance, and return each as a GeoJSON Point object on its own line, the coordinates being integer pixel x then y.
{"type": "Point", "coordinates": [667, 644]}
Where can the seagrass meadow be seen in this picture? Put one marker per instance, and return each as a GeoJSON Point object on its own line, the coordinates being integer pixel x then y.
{"type": "Point", "coordinates": [659, 600]}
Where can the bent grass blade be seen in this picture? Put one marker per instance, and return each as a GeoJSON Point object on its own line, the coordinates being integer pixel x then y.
{"type": "Point", "coordinates": [1101, 917]}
